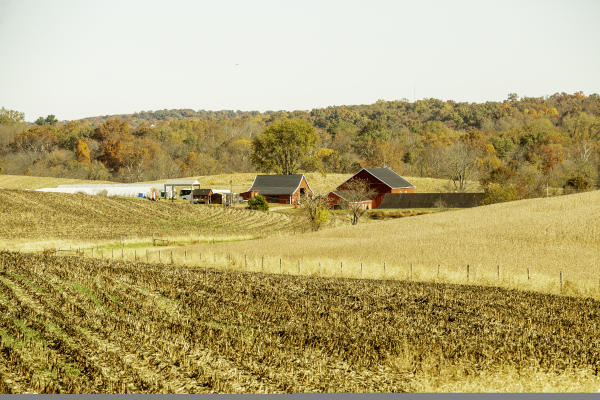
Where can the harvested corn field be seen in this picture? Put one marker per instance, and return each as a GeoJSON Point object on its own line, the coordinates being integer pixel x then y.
{"type": "Point", "coordinates": [27, 215]}
{"type": "Point", "coordinates": [70, 324]}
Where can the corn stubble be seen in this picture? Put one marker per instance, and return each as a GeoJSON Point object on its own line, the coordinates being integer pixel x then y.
{"type": "Point", "coordinates": [27, 216]}
{"type": "Point", "coordinates": [72, 325]}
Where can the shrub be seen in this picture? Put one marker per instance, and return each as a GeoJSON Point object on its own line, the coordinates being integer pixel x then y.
{"type": "Point", "coordinates": [259, 203]}
{"type": "Point", "coordinates": [496, 193]}
{"type": "Point", "coordinates": [577, 183]}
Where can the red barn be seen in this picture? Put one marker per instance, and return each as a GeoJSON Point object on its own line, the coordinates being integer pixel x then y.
{"type": "Point", "coordinates": [284, 189]}
{"type": "Point", "coordinates": [381, 180]}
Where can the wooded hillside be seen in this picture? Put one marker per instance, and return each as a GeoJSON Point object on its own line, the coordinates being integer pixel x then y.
{"type": "Point", "coordinates": [520, 147]}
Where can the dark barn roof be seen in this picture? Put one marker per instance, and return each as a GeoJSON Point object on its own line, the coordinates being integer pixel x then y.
{"type": "Point", "coordinates": [202, 192]}
{"type": "Point", "coordinates": [389, 177]}
{"type": "Point", "coordinates": [277, 184]}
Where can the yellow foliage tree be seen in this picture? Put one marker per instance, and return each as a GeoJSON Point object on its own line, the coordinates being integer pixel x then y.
{"type": "Point", "coordinates": [83, 152]}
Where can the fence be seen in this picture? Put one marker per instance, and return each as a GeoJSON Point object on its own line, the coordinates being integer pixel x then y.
{"type": "Point", "coordinates": [490, 275]}
{"type": "Point", "coordinates": [431, 200]}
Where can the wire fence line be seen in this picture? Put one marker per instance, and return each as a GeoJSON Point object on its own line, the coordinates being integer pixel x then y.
{"type": "Point", "coordinates": [496, 275]}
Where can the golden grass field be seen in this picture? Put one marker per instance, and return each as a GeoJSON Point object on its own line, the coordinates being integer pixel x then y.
{"type": "Point", "coordinates": [82, 325]}
{"type": "Point", "coordinates": [547, 236]}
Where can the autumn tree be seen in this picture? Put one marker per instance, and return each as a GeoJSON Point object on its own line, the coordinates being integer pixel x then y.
{"type": "Point", "coordinates": [316, 209]}
{"type": "Point", "coordinates": [284, 146]}
{"type": "Point", "coordinates": [37, 139]}
{"type": "Point", "coordinates": [10, 116]}
{"type": "Point", "coordinates": [83, 152]}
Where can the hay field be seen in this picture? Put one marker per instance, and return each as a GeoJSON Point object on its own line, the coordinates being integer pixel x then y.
{"type": "Point", "coordinates": [34, 220]}
{"type": "Point", "coordinates": [79, 325]}
{"type": "Point", "coordinates": [38, 182]}
{"type": "Point", "coordinates": [547, 236]}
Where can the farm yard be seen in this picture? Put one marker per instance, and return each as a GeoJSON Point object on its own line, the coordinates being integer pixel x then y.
{"type": "Point", "coordinates": [70, 324]}
{"type": "Point", "coordinates": [321, 183]}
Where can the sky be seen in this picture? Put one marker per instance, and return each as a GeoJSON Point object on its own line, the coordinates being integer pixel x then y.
{"type": "Point", "coordinates": [78, 58]}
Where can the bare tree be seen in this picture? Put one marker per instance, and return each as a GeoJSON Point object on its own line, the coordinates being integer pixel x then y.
{"type": "Point", "coordinates": [459, 164]}
{"type": "Point", "coordinates": [355, 192]}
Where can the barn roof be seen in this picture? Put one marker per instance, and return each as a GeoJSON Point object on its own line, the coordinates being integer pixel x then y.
{"type": "Point", "coordinates": [202, 192]}
{"type": "Point", "coordinates": [277, 184]}
{"type": "Point", "coordinates": [389, 177]}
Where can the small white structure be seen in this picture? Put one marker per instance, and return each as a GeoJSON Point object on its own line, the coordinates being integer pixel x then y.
{"type": "Point", "coordinates": [123, 190]}
{"type": "Point", "coordinates": [171, 188]}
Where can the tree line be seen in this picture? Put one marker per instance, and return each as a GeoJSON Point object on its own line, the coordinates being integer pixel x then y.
{"type": "Point", "coordinates": [516, 148]}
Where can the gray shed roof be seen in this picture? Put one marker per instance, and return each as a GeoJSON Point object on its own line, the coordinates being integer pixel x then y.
{"type": "Point", "coordinates": [389, 177]}
{"type": "Point", "coordinates": [277, 184]}
{"type": "Point", "coordinates": [202, 192]}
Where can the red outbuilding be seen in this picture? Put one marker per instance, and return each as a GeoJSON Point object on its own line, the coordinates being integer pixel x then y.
{"type": "Point", "coordinates": [381, 180]}
{"type": "Point", "coordinates": [284, 189]}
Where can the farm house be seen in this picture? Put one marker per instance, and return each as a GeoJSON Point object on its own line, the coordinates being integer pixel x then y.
{"type": "Point", "coordinates": [122, 190]}
{"type": "Point", "coordinates": [381, 180]}
{"type": "Point", "coordinates": [283, 189]}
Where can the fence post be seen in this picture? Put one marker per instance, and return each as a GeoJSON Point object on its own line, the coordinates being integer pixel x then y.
{"type": "Point", "coordinates": [112, 253]}
{"type": "Point", "coordinates": [384, 267]}
{"type": "Point", "coordinates": [341, 267]}
{"type": "Point", "coordinates": [135, 255]}
{"type": "Point", "coordinates": [498, 273]}
{"type": "Point", "coordinates": [467, 272]}
{"type": "Point", "coordinates": [561, 281]}
{"type": "Point", "coordinates": [122, 253]}
{"type": "Point", "coordinates": [528, 275]}
{"type": "Point", "coordinates": [185, 255]}
{"type": "Point", "coordinates": [280, 265]}
{"type": "Point", "coordinates": [438, 275]}
{"type": "Point", "coordinates": [102, 254]}
{"type": "Point", "coordinates": [171, 256]}
{"type": "Point", "coordinates": [153, 239]}
{"type": "Point", "coordinates": [199, 255]}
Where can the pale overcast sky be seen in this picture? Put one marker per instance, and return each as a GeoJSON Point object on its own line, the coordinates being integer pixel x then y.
{"type": "Point", "coordinates": [84, 58]}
